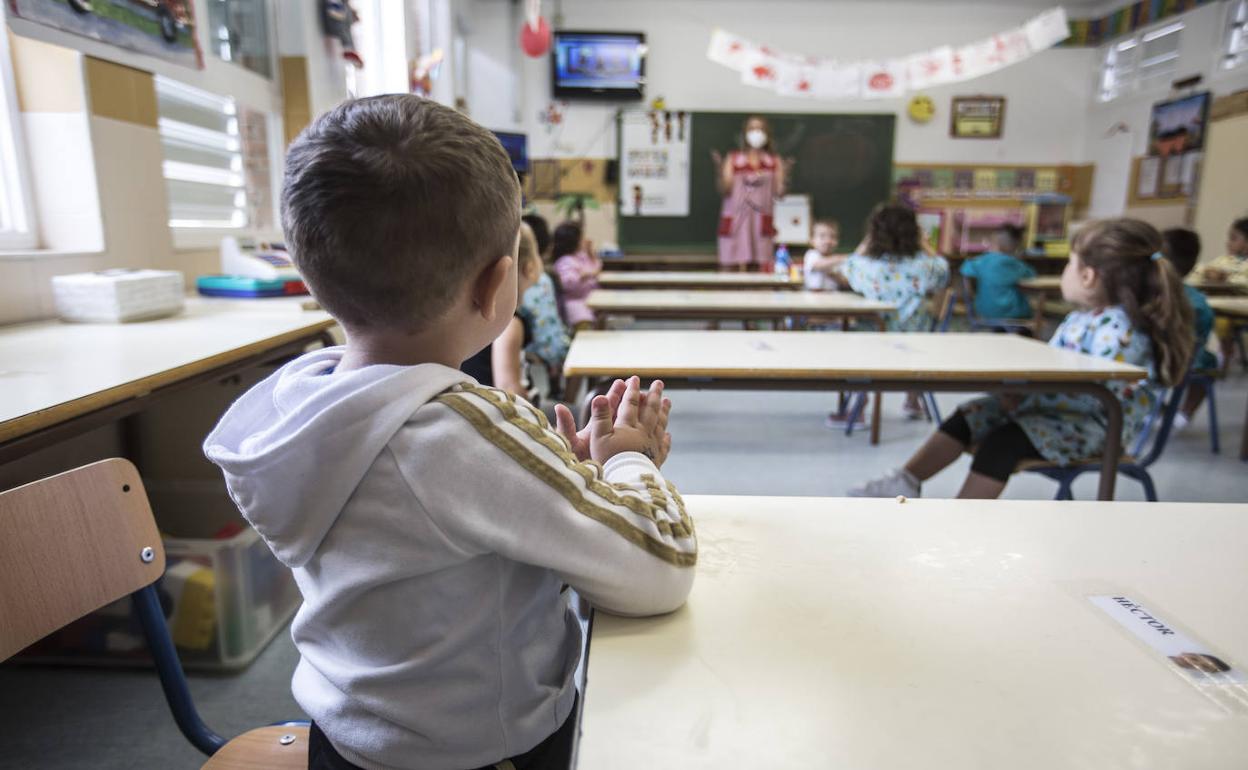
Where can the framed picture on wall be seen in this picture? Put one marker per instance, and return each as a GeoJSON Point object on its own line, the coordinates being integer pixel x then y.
{"type": "Point", "coordinates": [977, 117]}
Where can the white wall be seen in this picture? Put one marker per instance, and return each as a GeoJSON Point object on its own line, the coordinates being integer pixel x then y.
{"type": "Point", "coordinates": [1048, 96]}
{"type": "Point", "coordinates": [1111, 148]}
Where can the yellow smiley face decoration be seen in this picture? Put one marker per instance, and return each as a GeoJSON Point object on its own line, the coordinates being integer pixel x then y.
{"type": "Point", "coordinates": [921, 109]}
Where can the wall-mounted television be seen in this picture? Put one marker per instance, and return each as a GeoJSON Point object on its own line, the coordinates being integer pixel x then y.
{"type": "Point", "coordinates": [598, 65]}
{"type": "Point", "coordinates": [517, 147]}
{"type": "Point", "coordinates": [1178, 125]}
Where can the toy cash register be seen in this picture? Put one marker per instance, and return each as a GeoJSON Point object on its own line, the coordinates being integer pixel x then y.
{"type": "Point", "coordinates": [251, 269]}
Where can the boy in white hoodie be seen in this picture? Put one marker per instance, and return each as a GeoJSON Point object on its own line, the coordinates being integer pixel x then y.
{"type": "Point", "coordinates": [431, 523]}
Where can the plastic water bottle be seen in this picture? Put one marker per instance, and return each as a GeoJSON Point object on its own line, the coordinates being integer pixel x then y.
{"type": "Point", "coordinates": [783, 261]}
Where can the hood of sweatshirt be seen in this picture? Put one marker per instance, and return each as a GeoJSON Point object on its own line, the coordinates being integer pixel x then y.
{"type": "Point", "coordinates": [295, 447]}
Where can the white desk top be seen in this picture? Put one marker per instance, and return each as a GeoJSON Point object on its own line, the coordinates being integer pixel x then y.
{"type": "Point", "coordinates": [1234, 307]}
{"type": "Point", "coordinates": [52, 371]}
{"type": "Point", "coordinates": [694, 279]}
{"type": "Point", "coordinates": [1042, 283]}
{"type": "Point", "coordinates": [831, 355]}
{"type": "Point", "coordinates": [934, 634]}
{"type": "Point", "coordinates": [740, 301]}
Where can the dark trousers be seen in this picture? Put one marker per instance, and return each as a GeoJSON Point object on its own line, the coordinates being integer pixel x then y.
{"type": "Point", "coordinates": [1000, 451]}
{"type": "Point", "coordinates": [554, 753]}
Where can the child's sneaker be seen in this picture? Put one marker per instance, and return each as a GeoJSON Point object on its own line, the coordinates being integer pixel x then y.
{"type": "Point", "coordinates": [897, 482]}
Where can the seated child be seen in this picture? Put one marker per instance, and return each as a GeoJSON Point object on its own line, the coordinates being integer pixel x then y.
{"type": "Point", "coordinates": [432, 523]}
{"type": "Point", "coordinates": [540, 306]}
{"type": "Point", "coordinates": [578, 268]}
{"type": "Point", "coordinates": [820, 263]}
{"type": "Point", "coordinates": [1231, 267]}
{"type": "Point", "coordinates": [501, 363]}
{"type": "Point", "coordinates": [1182, 248]}
{"type": "Point", "coordinates": [997, 274]}
{"type": "Point", "coordinates": [1131, 308]}
{"type": "Point", "coordinates": [894, 264]}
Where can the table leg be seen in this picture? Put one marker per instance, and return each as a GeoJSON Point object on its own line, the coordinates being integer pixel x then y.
{"type": "Point", "coordinates": [875, 418]}
{"type": "Point", "coordinates": [1113, 439]}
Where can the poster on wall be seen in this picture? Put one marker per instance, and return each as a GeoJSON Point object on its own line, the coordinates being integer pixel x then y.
{"type": "Point", "coordinates": [160, 28]}
{"type": "Point", "coordinates": [654, 163]}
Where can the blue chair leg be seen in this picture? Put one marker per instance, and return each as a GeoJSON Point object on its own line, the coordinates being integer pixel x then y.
{"type": "Point", "coordinates": [1064, 492]}
{"type": "Point", "coordinates": [933, 407]}
{"type": "Point", "coordinates": [1141, 475]}
{"type": "Point", "coordinates": [855, 411]}
{"type": "Point", "coordinates": [1214, 442]}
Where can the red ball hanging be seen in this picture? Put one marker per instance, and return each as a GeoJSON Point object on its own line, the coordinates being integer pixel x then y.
{"type": "Point", "coordinates": [535, 42]}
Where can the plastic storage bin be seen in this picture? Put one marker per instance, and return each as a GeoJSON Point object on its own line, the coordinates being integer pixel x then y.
{"type": "Point", "coordinates": [224, 594]}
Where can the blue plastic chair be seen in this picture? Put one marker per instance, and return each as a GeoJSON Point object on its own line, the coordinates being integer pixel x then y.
{"type": "Point", "coordinates": [77, 541]}
{"type": "Point", "coordinates": [1150, 444]}
{"type": "Point", "coordinates": [1207, 379]}
{"type": "Point", "coordinates": [976, 323]}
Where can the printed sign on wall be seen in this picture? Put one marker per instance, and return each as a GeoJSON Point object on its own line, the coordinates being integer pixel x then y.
{"type": "Point", "coordinates": [654, 163]}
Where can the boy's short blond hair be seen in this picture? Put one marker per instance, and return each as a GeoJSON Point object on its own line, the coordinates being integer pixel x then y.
{"type": "Point", "coordinates": [391, 204]}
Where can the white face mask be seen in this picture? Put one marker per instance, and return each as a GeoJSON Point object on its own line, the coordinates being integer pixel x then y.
{"type": "Point", "coordinates": [756, 138]}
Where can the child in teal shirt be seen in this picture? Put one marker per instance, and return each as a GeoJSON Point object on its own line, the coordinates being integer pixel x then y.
{"type": "Point", "coordinates": [997, 274]}
{"type": "Point", "coordinates": [1182, 248]}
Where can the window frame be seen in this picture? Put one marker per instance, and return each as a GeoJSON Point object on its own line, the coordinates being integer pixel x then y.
{"type": "Point", "coordinates": [1234, 30]}
{"type": "Point", "coordinates": [14, 163]}
{"type": "Point", "coordinates": [1135, 78]}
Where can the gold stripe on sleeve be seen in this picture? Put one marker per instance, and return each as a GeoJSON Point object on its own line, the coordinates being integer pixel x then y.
{"type": "Point", "coordinates": [565, 487]}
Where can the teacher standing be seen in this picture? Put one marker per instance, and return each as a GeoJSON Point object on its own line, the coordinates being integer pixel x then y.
{"type": "Point", "coordinates": [750, 179]}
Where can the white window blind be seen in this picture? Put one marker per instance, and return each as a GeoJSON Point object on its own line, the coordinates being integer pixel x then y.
{"type": "Point", "coordinates": [216, 160]}
{"type": "Point", "coordinates": [17, 218]}
{"type": "Point", "coordinates": [1145, 60]}
{"type": "Point", "coordinates": [1235, 48]}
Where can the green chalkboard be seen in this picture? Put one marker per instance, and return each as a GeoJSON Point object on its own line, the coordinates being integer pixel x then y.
{"type": "Point", "coordinates": [844, 162]}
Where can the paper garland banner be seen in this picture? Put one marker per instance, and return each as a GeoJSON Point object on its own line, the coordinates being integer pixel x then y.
{"type": "Point", "coordinates": [815, 78]}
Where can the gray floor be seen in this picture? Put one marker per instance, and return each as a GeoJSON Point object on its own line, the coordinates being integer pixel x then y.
{"type": "Point", "coordinates": [725, 443]}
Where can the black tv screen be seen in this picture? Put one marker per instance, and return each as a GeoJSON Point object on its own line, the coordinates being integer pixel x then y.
{"type": "Point", "coordinates": [517, 147]}
{"type": "Point", "coordinates": [598, 65]}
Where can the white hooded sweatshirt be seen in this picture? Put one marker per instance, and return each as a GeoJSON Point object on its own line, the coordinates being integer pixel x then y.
{"type": "Point", "coordinates": [431, 524]}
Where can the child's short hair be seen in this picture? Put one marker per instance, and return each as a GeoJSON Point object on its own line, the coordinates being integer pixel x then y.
{"type": "Point", "coordinates": [566, 240]}
{"type": "Point", "coordinates": [391, 204]}
{"type": "Point", "coordinates": [528, 256]}
{"type": "Point", "coordinates": [1182, 247]}
{"type": "Point", "coordinates": [1010, 238]}
{"type": "Point", "coordinates": [541, 231]}
{"type": "Point", "coordinates": [1241, 225]}
{"type": "Point", "coordinates": [825, 222]}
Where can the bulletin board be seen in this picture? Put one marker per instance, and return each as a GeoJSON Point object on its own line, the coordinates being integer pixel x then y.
{"type": "Point", "coordinates": [843, 162]}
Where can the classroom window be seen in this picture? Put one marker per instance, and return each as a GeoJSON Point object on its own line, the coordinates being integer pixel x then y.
{"type": "Point", "coordinates": [1235, 49]}
{"type": "Point", "coordinates": [1144, 61]}
{"type": "Point", "coordinates": [17, 221]}
{"type": "Point", "coordinates": [216, 165]}
{"type": "Point", "coordinates": [240, 32]}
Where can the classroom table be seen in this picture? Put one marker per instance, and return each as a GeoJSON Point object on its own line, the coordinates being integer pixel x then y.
{"type": "Point", "coordinates": [661, 262]}
{"type": "Point", "coordinates": [1220, 288]}
{"type": "Point", "coordinates": [862, 361]}
{"type": "Point", "coordinates": [664, 279]}
{"type": "Point", "coordinates": [1236, 309]}
{"type": "Point", "coordinates": [1048, 291]}
{"type": "Point", "coordinates": [60, 379]}
{"type": "Point", "coordinates": [938, 634]}
{"type": "Point", "coordinates": [736, 305]}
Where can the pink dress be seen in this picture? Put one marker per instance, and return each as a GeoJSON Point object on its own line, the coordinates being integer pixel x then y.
{"type": "Point", "coordinates": [746, 227]}
{"type": "Point", "coordinates": [576, 288]}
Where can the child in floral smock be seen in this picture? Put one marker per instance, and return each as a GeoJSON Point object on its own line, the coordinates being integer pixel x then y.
{"type": "Point", "coordinates": [1131, 308]}
{"type": "Point", "coordinates": [893, 265]}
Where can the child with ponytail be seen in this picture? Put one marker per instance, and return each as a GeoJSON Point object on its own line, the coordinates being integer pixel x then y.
{"type": "Point", "coordinates": [1130, 307]}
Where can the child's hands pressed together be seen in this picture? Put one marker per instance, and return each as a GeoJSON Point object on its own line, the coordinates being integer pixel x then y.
{"type": "Point", "coordinates": [565, 423]}
{"type": "Point", "coordinates": [640, 425]}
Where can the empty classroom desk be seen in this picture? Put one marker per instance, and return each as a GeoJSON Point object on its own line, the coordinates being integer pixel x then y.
{"type": "Point", "coordinates": [60, 379]}
{"type": "Point", "coordinates": [743, 305]}
{"type": "Point", "coordinates": [658, 279]}
{"type": "Point", "coordinates": [940, 634]}
{"type": "Point", "coordinates": [863, 361]}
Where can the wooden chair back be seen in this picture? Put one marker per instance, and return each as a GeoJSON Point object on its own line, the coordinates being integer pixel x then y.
{"type": "Point", "coordinates": [70, 544]}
